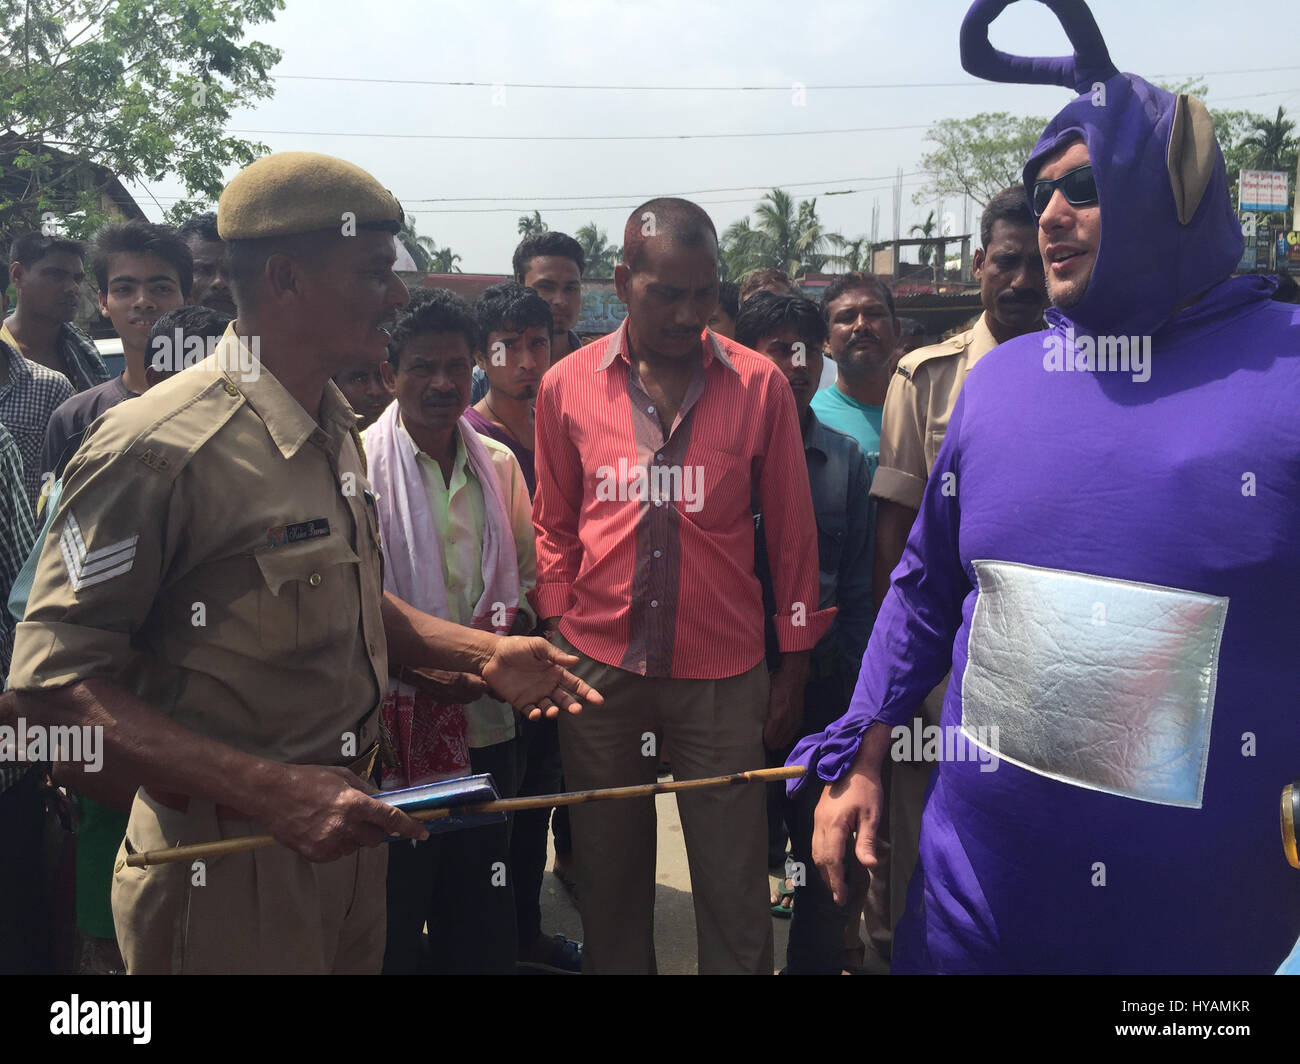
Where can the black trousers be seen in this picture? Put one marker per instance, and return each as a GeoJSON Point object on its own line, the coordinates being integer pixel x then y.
{"type": "Point", "coordinates": [540, 773]}
{"type": "Point", "coordinates": [24, 913]}
{"type": "Point", "coordinates": [817, 924]}
{"type": "Point", "coordinates": [460, 883]}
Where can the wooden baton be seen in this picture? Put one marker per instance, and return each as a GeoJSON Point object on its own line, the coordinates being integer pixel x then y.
{"type": "Point", "coordinates": [203, 850]}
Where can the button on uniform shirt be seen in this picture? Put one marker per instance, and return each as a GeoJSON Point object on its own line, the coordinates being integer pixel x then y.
{"type": "Point", "coordinates": [215, 551]}
{"type": "Point", "coordinates": [645, 541]}
{"type": "Point", "coordinates": [859, 420]}
{"type": "Point", "coordinates": [922, 394]}
{"type": "Point", "coordinates": [458, 515]}
{"type": "Point", "coordinates": [28, 397]}
{"type": "Point", "coordinates": [82, 361]}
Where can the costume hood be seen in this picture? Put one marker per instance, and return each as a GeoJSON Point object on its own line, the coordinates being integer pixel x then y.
{"type": "Point", "coordinates": [1168, 229]}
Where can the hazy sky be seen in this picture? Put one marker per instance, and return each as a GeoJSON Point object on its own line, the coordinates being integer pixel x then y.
{"type": "Point", "coordinates": [692, 43]}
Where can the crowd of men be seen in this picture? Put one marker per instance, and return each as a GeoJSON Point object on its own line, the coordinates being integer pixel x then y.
{"type": "Point", "coordinates": [480, 499]}
{"type": "Point", "coordinates": [324, 537]}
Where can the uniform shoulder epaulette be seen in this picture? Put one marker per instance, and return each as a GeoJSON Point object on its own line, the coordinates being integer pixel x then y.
{"type": "Point", "coordinates": [166, 427]}
{"type": "Point", "coordinates": [955, 345]}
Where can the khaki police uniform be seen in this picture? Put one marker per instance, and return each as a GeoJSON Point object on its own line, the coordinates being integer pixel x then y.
{"type": "Point", "coordinates": [217, 552]}
{"type": "Point", "coordinates": [918, 407]}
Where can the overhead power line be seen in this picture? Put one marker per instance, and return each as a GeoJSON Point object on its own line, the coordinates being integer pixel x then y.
{"type": "Point", "coordinates": [721, 88]}
{"type": "Point", "coordinates": [600, 137]}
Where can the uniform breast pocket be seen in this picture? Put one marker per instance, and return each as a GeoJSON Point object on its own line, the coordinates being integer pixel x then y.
{"type": "Point", "coordinates": [309, 595]}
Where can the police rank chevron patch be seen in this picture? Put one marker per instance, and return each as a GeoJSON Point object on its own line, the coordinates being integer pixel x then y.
{"type": "Point", "coordinates": [89, 567]}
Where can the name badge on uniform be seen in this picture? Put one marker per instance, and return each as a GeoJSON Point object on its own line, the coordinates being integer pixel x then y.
{"type": "Point", "coordinates": [282, 534]}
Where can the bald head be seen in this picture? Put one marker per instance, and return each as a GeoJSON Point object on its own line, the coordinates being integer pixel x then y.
{"type": "Point", "coordinates": [677, 222]}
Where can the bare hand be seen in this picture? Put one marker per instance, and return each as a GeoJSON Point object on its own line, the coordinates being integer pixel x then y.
{"type": "Point", "coordinates": [325, 813]}
{"type": "Point", "coordinates": [851, 804]}
{"type": "Point", "coordinates": [449, 688]}
{"type": "Point", "coordinates": [784, 712]}
{"type": "Point", "coordinates": [530, 674]}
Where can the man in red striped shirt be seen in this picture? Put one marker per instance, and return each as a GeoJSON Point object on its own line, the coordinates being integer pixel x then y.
{"type": "Point", "coordinates": [651, 443]}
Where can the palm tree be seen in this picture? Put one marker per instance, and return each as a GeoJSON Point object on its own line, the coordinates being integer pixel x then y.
{"type": "Point", "coordinates": [850, 255]}
{"type": "Point", "coordinates": [421, 248]}
{"type": "Point", "coordinates": [444, 261]}
{"type": "Point", "coordinates": [1273, 143]}
{"type": "Point", "coordinates": [531, 225]}
{"type": "Point", "coordinates": [601, 255]}
{"type": "Point", "coordinates": [783, 235]}
{"type": "Point", "coordinates": [926, 229]}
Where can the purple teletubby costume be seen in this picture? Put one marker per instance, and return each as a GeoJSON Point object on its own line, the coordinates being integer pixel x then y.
{"type": "Point", "coordinates": [1108, 557]}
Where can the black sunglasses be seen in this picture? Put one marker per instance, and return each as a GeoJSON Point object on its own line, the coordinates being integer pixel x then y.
{"type": "Point", "coordinates": [1078, 186]}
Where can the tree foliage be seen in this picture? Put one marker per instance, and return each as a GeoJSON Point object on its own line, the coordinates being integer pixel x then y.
{"type": "Point", "coordinates": [139, 88]}
{"type": "Point", "coordinates": [782, 236]}
{"type": "Point", "coordinates": [601, 255]}
{"type": "Point", "coordinates": [422, 248]}
{"type": "Point", "coordinates": [444, 261]}
{"type": "Point", "coordinates": [977, 157]}
{"type": "Point", "coordinates": [531, 224]}
{"type": "Point", "coordinates": [926, 230]}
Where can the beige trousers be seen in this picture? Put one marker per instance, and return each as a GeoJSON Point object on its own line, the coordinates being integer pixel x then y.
{"type": "Point", "coordinates": [710, 727]}
{"type": "Point", "coordinates": [262, 912]}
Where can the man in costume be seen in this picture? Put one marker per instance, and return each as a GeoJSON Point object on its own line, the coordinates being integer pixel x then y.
{"type": "Point", "coordinates": [1111, 599]}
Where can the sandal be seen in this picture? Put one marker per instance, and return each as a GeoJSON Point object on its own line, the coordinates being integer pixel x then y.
{"type": "Point", "coordinates": [563, 957]}
{"type": "Point", "coordinates": [780, 907]}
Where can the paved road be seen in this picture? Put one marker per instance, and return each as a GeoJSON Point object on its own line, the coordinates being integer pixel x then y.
{"type": "Point", "coordinates": [674, 911]}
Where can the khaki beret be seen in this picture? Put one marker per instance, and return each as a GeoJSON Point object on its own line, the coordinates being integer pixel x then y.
{"type": "Point", "coordinates": [292, 192]}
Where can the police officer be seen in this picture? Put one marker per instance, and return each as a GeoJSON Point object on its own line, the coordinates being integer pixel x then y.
{"type": "Point", "coordinates": [210, 593]}
{"type": "Point", "coordinates": [920, 402]}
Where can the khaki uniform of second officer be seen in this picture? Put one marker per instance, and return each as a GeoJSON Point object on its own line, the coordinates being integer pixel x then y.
{"type": "Point", "coordinates": [216, 551]}
{"type": "Point", "coordinates": [918, 407]}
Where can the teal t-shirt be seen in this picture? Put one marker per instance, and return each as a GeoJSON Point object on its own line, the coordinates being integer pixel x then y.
{"type": "Point", "coordinates": [847, 415]}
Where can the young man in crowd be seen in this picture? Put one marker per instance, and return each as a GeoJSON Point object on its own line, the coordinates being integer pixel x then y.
{"type": "Point", "coordinates": [29, 395]}
{"type": "Point", "coordinates": [24, 937]}
{"type": "Point", "coordinates": [142, 271]}
{"type": "Point", "coordinates": [723, 321]}
{"type": "Point", "coordinates": [919, 404]}
{"type": "Point", "coordinates": [47, 272]}
{"type": "Point", "coordinates": [455, 522]}
{"type": "Point", "coordinates": [211, 271]}
{"type": "Point", "coordinates": [911, 335]}
{"type": "Point", "coordinates": [362, 385]}
{"type": "Point", "coordinates": [790, 331]}
{"type": "Point", "coordinates": [515, 325]}
{"type": "Point", "coordinates": [769, 279]}
{"type": "Point", "coordinates": [551, 264]}
{"type": "Point", "coordinates": [651, 443]}
{"type": "Point", "coordinates": [863, 336]}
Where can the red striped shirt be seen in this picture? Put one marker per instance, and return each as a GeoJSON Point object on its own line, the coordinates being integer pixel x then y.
{"type": "Point", "coordinates": [645, 543]}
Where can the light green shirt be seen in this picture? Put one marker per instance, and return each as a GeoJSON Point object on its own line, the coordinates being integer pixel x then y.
{"type": "Point", "coordinates": [458, 518]}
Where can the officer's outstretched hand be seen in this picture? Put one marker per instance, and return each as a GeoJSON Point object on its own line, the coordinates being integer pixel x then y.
{"type": "Point", "coordinates": [326, 813]}
{"type": "Point", "coordinates": [530, 674]}
{"type": "Point", "coordinates": [850, 805]}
